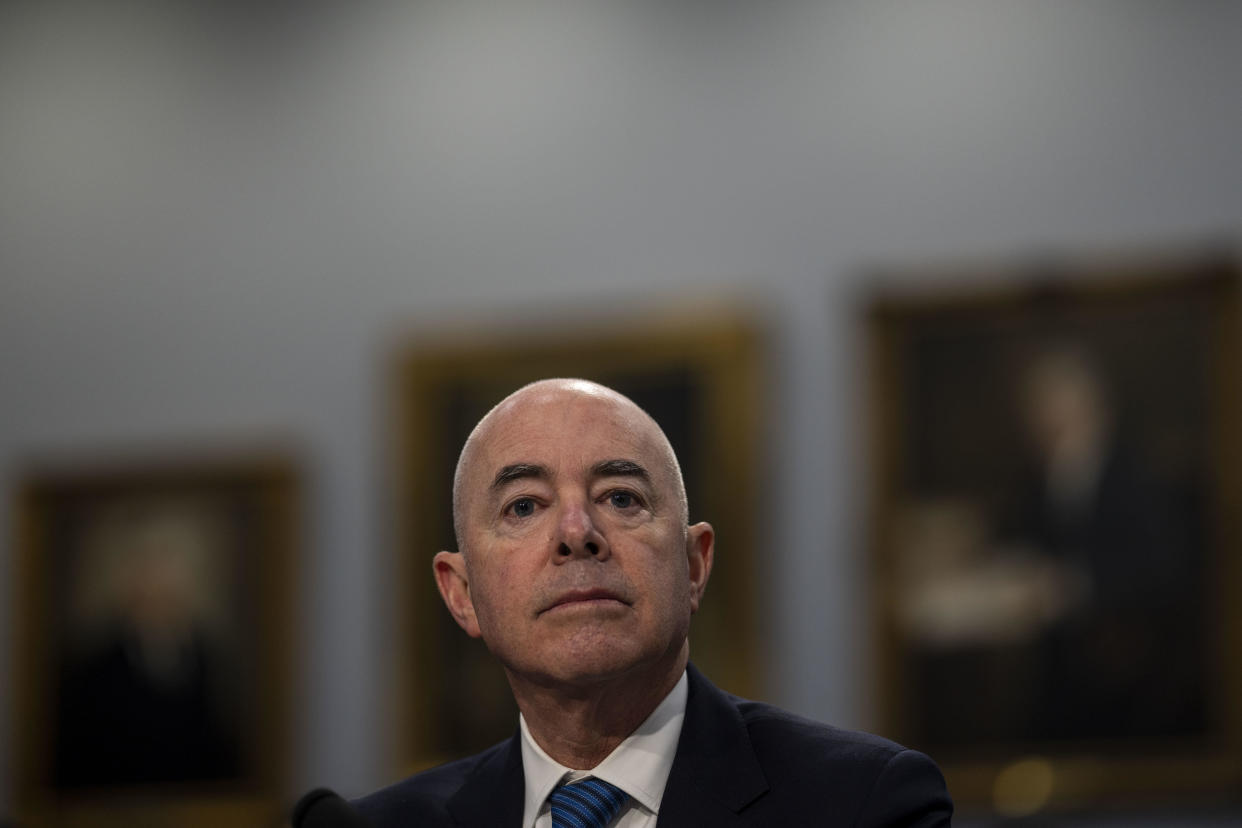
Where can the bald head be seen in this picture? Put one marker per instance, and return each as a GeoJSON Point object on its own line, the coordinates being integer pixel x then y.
{"type": "Point", "coordinates": [541, 409]}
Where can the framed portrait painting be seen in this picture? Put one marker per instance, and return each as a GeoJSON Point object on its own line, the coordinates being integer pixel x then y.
{"type": "Point", "coordinates": [700, 383]}
{"type": "Point", "coordinates": [154, 642]}
{"type": "Point", "coordinates": [1055, 528]}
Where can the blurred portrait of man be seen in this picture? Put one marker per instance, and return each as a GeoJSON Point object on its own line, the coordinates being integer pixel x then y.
{"type": "Point", "coordinates": [145, 694]}
{"type": "Point", "coordinates": [1052, 555]}
{"type": "Point", "coordinates": [1119, 651]}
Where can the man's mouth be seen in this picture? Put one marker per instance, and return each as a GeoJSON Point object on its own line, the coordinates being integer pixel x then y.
{"type": "Point", "coordinates": [585, 597]}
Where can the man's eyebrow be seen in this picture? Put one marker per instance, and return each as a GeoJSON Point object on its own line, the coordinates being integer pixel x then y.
{"type": "Point", "coordinates": [518, 471]}
{"type": "Point", "coordinates": [620, 468]}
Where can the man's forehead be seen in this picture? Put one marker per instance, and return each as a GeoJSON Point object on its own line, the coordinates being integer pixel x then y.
{"type": "Point", "coordinates": [561, 394]}
{"type": "Point", "coordinates": [563, 426]}
{"type": "Point", "coordinates": [581, 443]}
{"type": "Point", "coordinates": [538, 411]}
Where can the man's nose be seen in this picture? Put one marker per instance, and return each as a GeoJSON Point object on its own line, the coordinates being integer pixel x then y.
{"type": "Point", "coordinates": [579, 536]}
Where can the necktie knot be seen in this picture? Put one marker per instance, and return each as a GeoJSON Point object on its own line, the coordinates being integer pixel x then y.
{"type": "Point", "coordinates": [588, 803]}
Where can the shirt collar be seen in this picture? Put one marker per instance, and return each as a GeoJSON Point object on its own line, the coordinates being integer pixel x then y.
{"type": "Point", "coordinates": [639, 765]}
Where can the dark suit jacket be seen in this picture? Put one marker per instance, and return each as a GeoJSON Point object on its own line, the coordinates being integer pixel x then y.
{"type": "Point", "coordinates": [738, 763]}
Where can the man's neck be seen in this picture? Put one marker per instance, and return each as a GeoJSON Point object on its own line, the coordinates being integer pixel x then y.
{"type": "Point", "coordinates": [580, 726]}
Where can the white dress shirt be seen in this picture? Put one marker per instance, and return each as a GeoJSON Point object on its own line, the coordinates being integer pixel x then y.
{"type": "Point", "coordinates": [639, 766]}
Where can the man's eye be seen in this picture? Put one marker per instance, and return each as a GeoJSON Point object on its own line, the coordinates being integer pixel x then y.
{"type": "Point", "coordinates": [622, 500]}
{"type": "Point", "coordinates": [522, 507]}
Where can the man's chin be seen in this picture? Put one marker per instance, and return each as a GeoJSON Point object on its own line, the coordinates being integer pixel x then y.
{"type": "Point", "coordinates": [603, 662]}
{"type": "Point", "coordinates": [596, 666]}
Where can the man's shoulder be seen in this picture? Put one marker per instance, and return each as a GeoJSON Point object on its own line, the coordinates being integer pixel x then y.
{"type": "Point", "coordinates": [777, 766]}
{"type": "Point", "coordinates": [875, 780]}
{"type": "Point", "coordinates": [775, 733]}
{"type": "Point", "coordinates": [423, 798]}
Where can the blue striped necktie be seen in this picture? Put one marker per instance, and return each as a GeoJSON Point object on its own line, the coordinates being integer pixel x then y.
{"type": "Point", "coordinates": [590, 803]}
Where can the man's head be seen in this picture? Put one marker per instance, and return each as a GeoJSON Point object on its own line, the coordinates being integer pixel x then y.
{"type": "Point", "coordinates": [575, 561]}
{"type": "Point", "coordinates": [1065, 402]}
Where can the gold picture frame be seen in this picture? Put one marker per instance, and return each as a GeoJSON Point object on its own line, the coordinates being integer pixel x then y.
{"type": "Point", "coordinates": [1054, 522]}
{"type": "Point", "coordinates": [699, 379]}
{"type": "Point", "coordinates": [153, 648]}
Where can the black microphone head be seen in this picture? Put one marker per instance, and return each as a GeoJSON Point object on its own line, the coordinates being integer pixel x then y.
{"type": "Point", "coordinates": [321, 808]}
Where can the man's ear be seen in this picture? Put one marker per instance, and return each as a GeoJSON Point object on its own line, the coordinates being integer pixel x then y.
{"type": "Point", "coordinates": [700, 552]}
{"type": "Point", "coordinates": [454, 584]}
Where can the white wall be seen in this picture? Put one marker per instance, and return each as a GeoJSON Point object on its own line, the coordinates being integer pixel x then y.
{"type": "Point", "coordinates": [212, 224]}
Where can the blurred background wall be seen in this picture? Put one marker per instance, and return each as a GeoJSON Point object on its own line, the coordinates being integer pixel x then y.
{"type": "Point", "coordinates": [216, 220]}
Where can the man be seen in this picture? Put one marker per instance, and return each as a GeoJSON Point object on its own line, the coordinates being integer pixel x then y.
{"type": "Point", "coordinates": [578, 568]}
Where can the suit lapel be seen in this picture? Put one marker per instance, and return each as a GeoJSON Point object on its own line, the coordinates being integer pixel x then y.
{"type": "Point", "coordinates": [494, 793]}
{"type": "Point", "coordinates": [715, 772]}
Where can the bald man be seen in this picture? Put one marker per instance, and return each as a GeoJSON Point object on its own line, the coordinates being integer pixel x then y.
{"type": "Point", "coordinates": [579, 569]}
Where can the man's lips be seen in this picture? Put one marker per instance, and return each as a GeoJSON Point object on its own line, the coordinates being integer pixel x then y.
{"type": "Point", "coordinates": [584, 596]}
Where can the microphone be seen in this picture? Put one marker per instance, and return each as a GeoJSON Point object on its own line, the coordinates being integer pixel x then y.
{"type": "Point", "coordinates": [321, 808]}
